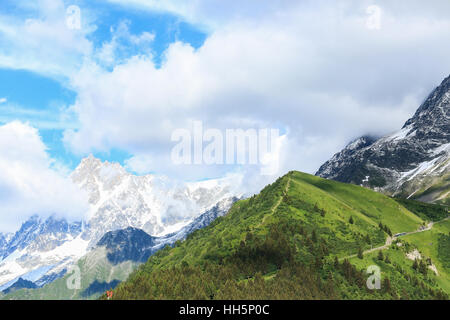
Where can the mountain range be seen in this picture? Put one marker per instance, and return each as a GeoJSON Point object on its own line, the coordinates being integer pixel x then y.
{"type": "Point", "coordinates": [43, 249]}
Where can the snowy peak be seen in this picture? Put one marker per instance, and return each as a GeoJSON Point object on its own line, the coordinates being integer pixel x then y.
{"type": "Point", "coordinates": [41, 235]}
{"type": "Point", "coordinates": [93, 175]}
{"type": "Point", "coordinates": [406, 163]}
{"type": "Point", "coordinates": [154, 204]}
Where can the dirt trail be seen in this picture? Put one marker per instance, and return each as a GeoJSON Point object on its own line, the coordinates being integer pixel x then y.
{"type": "Point", "coordinates": [275, 207]}
{"type": "Point", "coordinates": [385, 246]}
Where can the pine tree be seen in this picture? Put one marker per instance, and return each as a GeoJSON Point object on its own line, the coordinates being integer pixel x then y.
{"type": "Point", "coordinates": [405, 295]}
{"type": "Point", "coordinates": [360, 253]}
{"type": "Point", "coordinates": [423, 267]}
{"type": "Point", "coordinates": [336, 262]}
{"type": "Point", "coordinates": [387, 285]}
{"type": "Point", "coordinates": [351, 220]}
{"type": "Point", "coordinates": [314, 236]}
{"type": "Point", "coordinates": [415, 265]}
{"type": "Point", "coordinates": [318, 263]}
{"type": "Point", "coordinates": [380, 255]}
{"type": "Point", "coordinates": [388, 231]}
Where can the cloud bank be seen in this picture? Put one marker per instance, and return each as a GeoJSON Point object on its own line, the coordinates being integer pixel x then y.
{"type": "Point", "coordinates": [29, 182]}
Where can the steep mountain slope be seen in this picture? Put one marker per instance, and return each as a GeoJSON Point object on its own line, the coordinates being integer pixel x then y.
{"type": "Point", "coordinates": [115, 256]}
{"type": "Point", "coordinates": [4, 239]}
{"type": "Point", "coordinates": [43, 249]}
{"type": "Point", "coordinates": [290, 241]}
{"type": "Point", "coordinates": [127, 244]}
{"type": "Point", "coordinates": [413, 162]}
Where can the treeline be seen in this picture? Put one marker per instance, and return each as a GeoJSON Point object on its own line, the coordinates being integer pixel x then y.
{"type": "Point", "coordinates": [426, 211]}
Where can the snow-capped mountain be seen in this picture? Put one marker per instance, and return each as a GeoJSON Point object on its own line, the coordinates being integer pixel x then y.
{"type": "Point", "coordinates": [155, 204]}
{"type": "Point", "coordinates": [413, 162]}
{"type": "Point", "coordinates": [43, 248]}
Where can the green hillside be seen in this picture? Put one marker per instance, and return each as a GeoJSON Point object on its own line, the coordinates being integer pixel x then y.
{"type": "Point", "coordinates": [297, 239]}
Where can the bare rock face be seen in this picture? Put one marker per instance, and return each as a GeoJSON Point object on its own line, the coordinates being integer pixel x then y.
{"type": "Point", "coordinates": [413, 162]}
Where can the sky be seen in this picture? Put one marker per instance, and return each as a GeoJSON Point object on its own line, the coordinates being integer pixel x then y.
{"type": "Point", "coordinates": [116, 78]}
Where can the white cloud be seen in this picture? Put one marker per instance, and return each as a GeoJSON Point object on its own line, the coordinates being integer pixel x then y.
{"type": "Point", "coordinates": [30, 183]}
{"type": "Point", "coordinates": [44, 43]}
{"type": "Point", "coordinates": [315, 71]}
{"type": "Point", "coordinates": [213, 14]}
{"type": "Point", "coordinates": [114, 52]}
{"type": "Point", "coordinates": [38, 118]}
{"type": "Point", "coordinates": [3, 100]}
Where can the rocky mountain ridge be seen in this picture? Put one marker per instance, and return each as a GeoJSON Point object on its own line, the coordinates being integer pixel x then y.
{"type": "Point", "coordinates": [413, 162]}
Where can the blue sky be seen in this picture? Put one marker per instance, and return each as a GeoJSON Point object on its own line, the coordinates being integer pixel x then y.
{"type": "Point", "coordinates": [40, 99]}
{"type": "Point", "coordinates": [324, 72]}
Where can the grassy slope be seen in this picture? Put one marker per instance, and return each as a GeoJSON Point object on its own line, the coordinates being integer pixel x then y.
{"type": "Point", "coordinates": [340, 201]}
{"type": "Point", "coordinates": [375, 206]}
{"type": "Point", "coordinates": [313, 207]}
